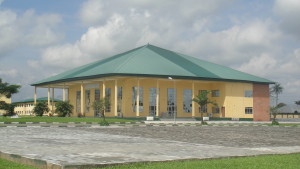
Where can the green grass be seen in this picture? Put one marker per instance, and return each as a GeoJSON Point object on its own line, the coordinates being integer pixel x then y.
{"type": "Point", "coordinates": [290, 161]}
{"type": "Point", "coordinates": [5, 164]}
{"type": "Point", "coordinates": [62, 119]}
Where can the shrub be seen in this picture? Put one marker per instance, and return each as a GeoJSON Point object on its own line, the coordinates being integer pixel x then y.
{"type": "Point", "coordinates": [40, 108]}
{"type": "Point", "coordinates": [274, 122]}
{"type": "Point", "coordinates": [63, 108]}
{"type": "Point", "coordinates": [104, 123]}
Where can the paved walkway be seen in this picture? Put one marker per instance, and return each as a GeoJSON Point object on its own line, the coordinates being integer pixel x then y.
{"type": "Point", "coordinates": [77, 146]}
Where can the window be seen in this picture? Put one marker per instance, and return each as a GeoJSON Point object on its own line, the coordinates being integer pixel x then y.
{"type": "Point", "coordinates": [187, 100]}
{"type": "Point", "coordinates": [97, 94]}
{"type": "Point", "coordinates": [108, 97]}
{"type": "Point", "coordinates": [248, 93]}
{"type": "Point", "coordinates": [215, 93]}
{"type": "Point", "coordinates": [215, 109]}
{"type": "Point", "coordinates": [152, 102]}
{"type": "Point", "coordinates": [248, 110]}
{"type": "Point", "coordinates": [119, 103]}
{"type": "Point", "coordinates": [134, 99]}
{"type": "Point", "coordinates": [78, 100]}
{"type": "Point", "coordinates": [172, 105]}
{"type": "Point", "coordinates": [87, 100]}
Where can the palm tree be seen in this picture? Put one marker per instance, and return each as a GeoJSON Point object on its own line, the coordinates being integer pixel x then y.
{"type": "Point", "coordinates": [276, 89]}
{"type": "Point", "coordinates": [202, 100]}
{"type": "Point", "coordinates": [100, 106]}
{"type": "Point", "coordinates": [7, 89]}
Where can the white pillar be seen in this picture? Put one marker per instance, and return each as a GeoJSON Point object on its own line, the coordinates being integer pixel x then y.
{"type": "Point", "coordinates": [138, 99]}
{"type": "Point", "coordinates": [103, 91]}
{"type": "Point", "coordinates": [64, 93]}
{"type": "Point", "coordinates": [48, 97]}
{"type": "Point", "coordinates": [193, 103]}
{"type": "Point", "coordinates": [157, 98]}
{"type": "Point", "coordinates": [81, 99]}
{"type": "Point", "coordinates": [52, 105]}
{"type": "Point", "coordinates": [34, 95]}
{"type": "Point", "coordinates": [116, 98]}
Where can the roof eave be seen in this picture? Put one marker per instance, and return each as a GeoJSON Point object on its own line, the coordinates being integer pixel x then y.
{"type": "Point", "coordinates": [149, 75]}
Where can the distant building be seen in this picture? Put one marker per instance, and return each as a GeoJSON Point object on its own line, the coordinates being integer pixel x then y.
{"type": "Point", "coordinates": [25, 107]}
{"type": "Point", "coordinates": [289, 111]}
{"type": "Point", "coordinates": [6, 100]}
{"type": "Point", "coordinates": [152, 81]}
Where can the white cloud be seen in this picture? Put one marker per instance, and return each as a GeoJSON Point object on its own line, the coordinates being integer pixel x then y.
{"type": "Point", "coordinates": [289, 12]}
{"type": "Point", "coordinates": [27, 29]}
{"type": "Point", "coordinates": [9, 73]}
{"type": "Point", "coordinates": [262, 65]}
{"type": "Point", "coordinates": [92, 12]}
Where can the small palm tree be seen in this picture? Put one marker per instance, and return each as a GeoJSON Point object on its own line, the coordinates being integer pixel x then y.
{"type": "Point", "coordinates": [100, 106]}
{"type": "Point", "coordinates": [202, 100]}
{"type": "Point", "coordinates": [276, 89]}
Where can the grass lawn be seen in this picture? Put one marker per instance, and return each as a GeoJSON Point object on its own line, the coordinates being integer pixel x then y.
{"type": "Point", "coordinates": [5, 164]}
{"type": "Point", "coordinates": [62, 119]}
{"type": "Point", "coordinates": [290, 161]}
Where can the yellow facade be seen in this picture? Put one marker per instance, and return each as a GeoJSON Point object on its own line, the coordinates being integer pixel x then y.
{"type": "Point", "coordinates": [6, 100]}
{"type": "Point", "coordinates": [231, 101]}
{"type": "Point", "coordinates": [26, 109]}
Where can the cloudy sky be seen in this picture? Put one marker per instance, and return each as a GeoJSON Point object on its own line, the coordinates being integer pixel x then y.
{"type": "Point", "coordinates": [42, 38]}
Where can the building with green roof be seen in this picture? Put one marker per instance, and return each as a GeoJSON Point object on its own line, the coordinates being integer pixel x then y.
{"type": "Point", "coordinates": [152, 81]}
{"type": "Point", "coordinates": [25, 107]}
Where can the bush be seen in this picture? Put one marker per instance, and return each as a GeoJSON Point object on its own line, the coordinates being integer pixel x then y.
{"type": "Point", "coordinates": [104, 123]}
{"type": "Point", "coordinates": [40, 108]}
{"type": "Point", "coordinates": [63, 108]}
{"type": "Point", "coordinates": [274, 122]}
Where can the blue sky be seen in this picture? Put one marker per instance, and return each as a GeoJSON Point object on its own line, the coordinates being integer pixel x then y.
{"type": "Point", "coordinates": [43, 38]}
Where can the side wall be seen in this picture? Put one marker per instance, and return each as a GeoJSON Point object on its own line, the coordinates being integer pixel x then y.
{"type": "Point", "coordinates": [261, 102]}
{"type": "Point", "coordinates": [6, 100]}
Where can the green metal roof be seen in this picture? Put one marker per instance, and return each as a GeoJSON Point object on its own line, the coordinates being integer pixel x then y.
{"type": "Point", "coordinates": [153, 61]}
{"type": "Point", "coordinates": [38, 100]}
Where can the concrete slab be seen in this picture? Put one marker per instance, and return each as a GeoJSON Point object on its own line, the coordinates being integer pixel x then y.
{"type": "Point", "coordinates": [76, 146]}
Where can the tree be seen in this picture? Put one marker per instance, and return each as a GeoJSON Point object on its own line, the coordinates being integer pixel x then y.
{"type": "Point", "coordinates": [40, 108]}
{"type": "Point", "coordinates": [63, 108]}
{"type": "Point", "coordinates": [297, 102]}
{"type": "Point", "coordinates": [100, 106]}
{"type": "Point", "coordinates": [9, 108]}
{"type": "Point", "coordinates": [276, 89]}
{"type": "Point", "coordinates": [202, 100]}
{"type": "Point", "coordinates": [8, 90]}
{"type": "Point", "coordinates": [274, 111]}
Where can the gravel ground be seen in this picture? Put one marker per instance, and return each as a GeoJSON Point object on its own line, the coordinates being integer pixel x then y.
{"type": "Point", "coordinates": [232, 136]}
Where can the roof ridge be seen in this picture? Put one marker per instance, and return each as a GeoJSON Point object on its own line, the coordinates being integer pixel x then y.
{"type": "Point", "coordinates": [183, 66]}
{"type": "Point", "coordinates": [129, 58]}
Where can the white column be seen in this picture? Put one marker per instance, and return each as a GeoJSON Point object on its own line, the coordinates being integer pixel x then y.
{"type": "Point", "coordinates": [34, 95]}
{"type": "Point", "coordinates": [48, 97]}
{"type": "Point", "coordinates": [64, 93]}
{"type": "Point", "coordinates": [138, 99]}
{"type": "Point", "coordinates": [52, 105]}
{"type": "Point", "coordinates": [103, 91]}
{"type": "Point", "coordinates": [193, 103]}
{"type": "Point", "coordinates": [116, 98]}
{"type": "Point", "coordinates": [157, 98]}
{"type": "Point", "coordinates": [81, 99]}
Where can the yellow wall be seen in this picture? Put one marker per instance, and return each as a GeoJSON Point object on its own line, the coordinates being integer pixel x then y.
{"type": "Point", "coordinates": [231, 96]}
{"type": "Point", "coordinates": [235, 102]}
{"type": "Point", "coordinates": [6, 100]}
